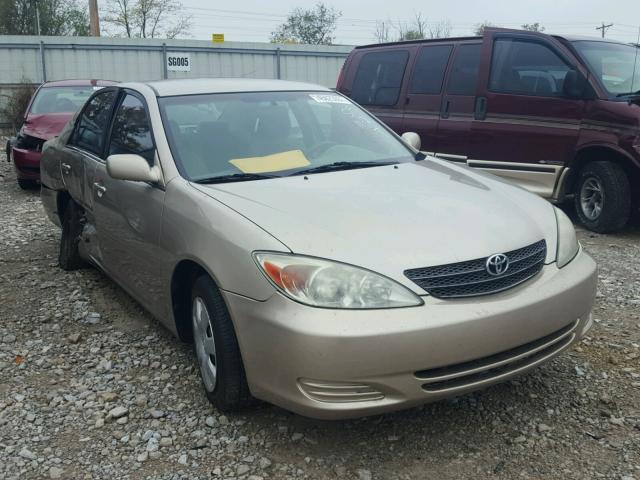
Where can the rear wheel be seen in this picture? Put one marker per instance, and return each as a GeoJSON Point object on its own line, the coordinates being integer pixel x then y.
{"type": "Point", "coordinates": [216, 348]}
{"type": "Point", "coordinates": [603, 197]}
{"type": "Point", "coordinates": [26, 184]}
{"type": "Point", "coordinates": [72, 221]}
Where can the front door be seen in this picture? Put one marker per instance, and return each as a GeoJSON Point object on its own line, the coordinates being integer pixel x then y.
{"type": "Point", "coordinates": [128, 215]}
{"type": "Point", "coordinates": [528, 128]}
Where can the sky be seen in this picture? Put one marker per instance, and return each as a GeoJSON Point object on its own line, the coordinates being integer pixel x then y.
{"type": "Point", "coordinates": [254, 20]}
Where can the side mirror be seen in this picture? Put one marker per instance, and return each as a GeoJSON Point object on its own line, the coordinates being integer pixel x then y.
{"type": "Point", "coordinates": [131, 167]}
{"type": "Point", "coordinates": [412, 139]}
{"type": "Point", "coordinates": [574, 85]}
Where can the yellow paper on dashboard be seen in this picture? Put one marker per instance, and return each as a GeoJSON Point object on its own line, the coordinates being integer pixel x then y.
{"type": "Point", "coordinates": [271, 163]}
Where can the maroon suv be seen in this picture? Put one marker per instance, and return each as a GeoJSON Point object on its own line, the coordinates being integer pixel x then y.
{"type": "Point", "coordinates": [557, 115]}
{"type": "Point", "coordinates": [51, 107]}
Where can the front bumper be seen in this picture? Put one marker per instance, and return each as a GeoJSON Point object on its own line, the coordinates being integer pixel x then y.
{"type": "Point", "coordinates": [27, 163]}
{"type": "Point", "coordinates": [346, 363]}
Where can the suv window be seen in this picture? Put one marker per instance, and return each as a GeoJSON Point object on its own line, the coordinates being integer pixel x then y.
{"type": "Point", "coordinates": [526, 67]}
{"type": "Point", "coordinates": [464, 71]}
{"type": "Point", "coordinates": [90, 130]}
{"type": "Point", "coordinates": [379, 77]}
{"type": "Point", "coordinates": [131, 132]}
{"type": "Point", "coordinates": [428, 72]}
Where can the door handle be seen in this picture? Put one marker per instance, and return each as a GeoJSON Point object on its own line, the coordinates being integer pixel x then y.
{"type": "Point", "coordinates": [100, 189]}
{"type": "Point", "coordinates": [66, 168]}
{"type": "Point", "coordinates": [480, 112]}
{"type": "Point", "coordinates": [444, 113]}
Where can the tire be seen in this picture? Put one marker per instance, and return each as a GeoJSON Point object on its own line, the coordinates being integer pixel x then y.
{"type": "Point", "coordinates": [229, 391]}
{"type": "Point", "coordinates": [26, 184]}
{"type": "Point", "coordinates": [72, 222]}
{"type": "Point", "coordinates": [603, 197]}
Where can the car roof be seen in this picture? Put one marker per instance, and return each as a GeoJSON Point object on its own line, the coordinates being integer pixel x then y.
{"type": "Point", "coordinates": [421, 40]}
{"type": "Point", "coordinates": [79, 83]}
{"type": "Point", "coordinates": [579, 38]}
{"type": "Point", "coordinates": [195, 86]}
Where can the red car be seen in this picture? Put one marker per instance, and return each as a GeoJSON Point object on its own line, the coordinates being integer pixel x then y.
{"type": "Point", "coordinates": [557, 115]}
{"type": "Point", "coordinates": [51, 107]}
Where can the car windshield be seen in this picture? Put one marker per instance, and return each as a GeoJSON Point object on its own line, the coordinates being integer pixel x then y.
{"type": "Point", "coordinates": [61, 99]}
{"type": "Point", "coordinates": [258, 135]}
{"type": "Point", "coordinates": [616, 65]}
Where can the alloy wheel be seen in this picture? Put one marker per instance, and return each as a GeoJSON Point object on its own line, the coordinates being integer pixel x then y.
{"type": "Point", "coordinates": [592, 198]}
{"type": "Point", "coordinates": [205, 344]}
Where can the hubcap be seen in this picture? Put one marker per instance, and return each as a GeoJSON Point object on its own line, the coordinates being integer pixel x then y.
{"type": "Point", "coordinates": [592, 198]}
{"type": "Point", "coordinates": [204, 342]}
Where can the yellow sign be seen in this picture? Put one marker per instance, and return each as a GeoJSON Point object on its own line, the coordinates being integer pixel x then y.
{"type": "Point", "coordinates": [271, 163]}
{"type": "Point", "coordinates": [217, 37]}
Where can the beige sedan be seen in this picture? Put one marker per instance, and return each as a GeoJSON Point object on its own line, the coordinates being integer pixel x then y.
{"type": "Point", "coordinates": [315, 259]}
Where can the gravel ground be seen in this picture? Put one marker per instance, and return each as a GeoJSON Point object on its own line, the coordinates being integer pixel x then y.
{"type": "Point", "coordinates": [92, 387]}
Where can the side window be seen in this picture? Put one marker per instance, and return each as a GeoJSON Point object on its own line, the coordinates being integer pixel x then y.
{"type": "Point", "coordinates": [527, 68]}
{"type": "Point", "coordinates": [131, 132]}
{"type": "Point", "coordinates": [93, 122]}
{"type": "Point", "coordinates": [379, 77]}
{"type": "Point", "coordinates": [463, 78]}
{"type": "Point", "coordinates": [428, 73]}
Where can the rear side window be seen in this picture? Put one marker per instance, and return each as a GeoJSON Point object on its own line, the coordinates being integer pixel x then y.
{"type": "Point", "coordinates": [131, 132]}
{"type": "Point", "coordinates": [379, 78]}
{"type": "Point", "coordinates": [428, 73]}
{"type": "Point", "coordinates": [527, 68]}
{"type": "Point", "coordinates": [93, 122]}
{"type": "Point", "coordinates": [464, 71]}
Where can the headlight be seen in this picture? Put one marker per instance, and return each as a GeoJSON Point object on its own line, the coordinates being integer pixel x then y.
{"type": "Point", "coordinates": [323, 283]}
{"type": "Point", "coordinates": [568, 245]}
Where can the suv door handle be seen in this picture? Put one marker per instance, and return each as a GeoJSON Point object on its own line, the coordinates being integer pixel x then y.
{"type": "Point", "coordinates": [444, 113]}
{"type": "Point", "coordinates": [100, 189]}
{"type": "Point", "coordinates": [66, 168]}
{"type": "Point", "coordinates": [480, 112]}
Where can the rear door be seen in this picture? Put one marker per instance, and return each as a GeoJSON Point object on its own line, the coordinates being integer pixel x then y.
{"type": "Point", "coordinates": [424, 93]}
{"type": "Point", "coordinates": [378, 83]}
{"type": "Point", "coordinates": [525, 128]}
{"type": "Point", "coordinates": [85, 146]}
{"type": "Point", "coordinates": [453, 140]}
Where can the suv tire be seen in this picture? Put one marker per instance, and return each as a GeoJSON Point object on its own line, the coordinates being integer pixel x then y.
{"type": "Point", "coordinates": [603, 197]}
{"type": "Point", "coordinates": [72, 221]}
{"type": "Point", "coordinates": [26, 184]}
{"type": "Point", "coordinates": [216, 348]}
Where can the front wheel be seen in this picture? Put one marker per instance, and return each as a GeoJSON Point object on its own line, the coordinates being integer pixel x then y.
{"type": "Point", "coordinates": [603, 197]}
{"type": "Point", "coordinates": [216, 348]}
{"type": "Point", "coordinates": [26, 184]}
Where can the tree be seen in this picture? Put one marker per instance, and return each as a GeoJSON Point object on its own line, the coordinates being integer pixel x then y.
{"type": "Point", "coordinates": [382, 33]}
{"type": "Point", "coordinates": [479, 28]}
{"type": "Point", "coordinates": [146, 19]}
{"type": "Point", "coordinates": [419, 28]}
{"type": "Point", "coordinates": [314, 26]}
{"type": "Point", "coordinates": [57, 17]}
{"type": "Point", "coordinates": [440, 29]}
{"type": "Point", "coordinates": [533, 27]}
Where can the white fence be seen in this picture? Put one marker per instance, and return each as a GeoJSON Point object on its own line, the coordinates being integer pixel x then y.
{"type": "Point", "coordinates": [37, 59]}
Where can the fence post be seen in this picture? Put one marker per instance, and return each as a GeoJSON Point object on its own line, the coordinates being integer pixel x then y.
{"type": "Point", "coordinates": [278, 63]}
{"type": "Point", "coordinates": [165, 73]}
{"type": "Point", "coordinates": [44, 67]}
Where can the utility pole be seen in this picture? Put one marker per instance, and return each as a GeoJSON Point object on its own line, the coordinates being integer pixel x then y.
{"type": "Point", "coordinates": [603, 28]}
{"type": "Point", "coordinates": [94, 22]}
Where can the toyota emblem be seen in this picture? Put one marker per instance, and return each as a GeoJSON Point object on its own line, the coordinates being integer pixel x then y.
{"type": "Point", "coordinates": [497, 264]}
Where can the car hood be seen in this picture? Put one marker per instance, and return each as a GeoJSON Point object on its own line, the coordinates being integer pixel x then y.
{"type": "Point", "coordinates": [46, 125]}
{"type": "Point", "coordinates": [393, 218]}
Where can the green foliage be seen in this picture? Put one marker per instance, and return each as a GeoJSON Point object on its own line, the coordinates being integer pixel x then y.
{"type": "Point", "coordinates": [479, 28]}
{"type": "Point", "coordinates": [533, 27]}
{"type": "Point", "coordinates": [57, 17]}
{"type": "Point", "coordinates": [314, 26]}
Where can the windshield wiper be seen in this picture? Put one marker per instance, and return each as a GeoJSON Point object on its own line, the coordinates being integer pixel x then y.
{"type": "Point", "coordinates": [332, 167]}
{"type": "Point", "coordinates": [235, 177]}
{"type": "Point", "coordinates": [628, 94]}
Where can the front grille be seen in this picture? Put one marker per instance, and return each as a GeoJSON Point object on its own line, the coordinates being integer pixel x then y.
{"type": "Point", "coordinates": [495, 366]}
{"type": "Point", "coordinates": [470, 278]}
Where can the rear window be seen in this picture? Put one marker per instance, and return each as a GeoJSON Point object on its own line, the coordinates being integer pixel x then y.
{"type": "Point", "coordinates": [379, 78]}
{"type": "Point", "coordinates": [61, 99]}
{"type": "Point", "coordinates": [428, 73]}
{"type": "Point", "coordinates": [464, 71]}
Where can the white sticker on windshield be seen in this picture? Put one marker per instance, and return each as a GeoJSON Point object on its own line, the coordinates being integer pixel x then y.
{"type": "Point", "coordinates": [328, 98]}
